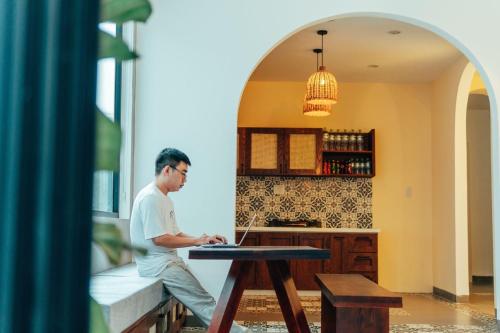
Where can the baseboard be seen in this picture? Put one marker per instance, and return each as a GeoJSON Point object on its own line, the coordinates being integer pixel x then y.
{"type": "Point", "coordinates": [482, 280]}
{"type": "Point", "coordinates": [449, 296]}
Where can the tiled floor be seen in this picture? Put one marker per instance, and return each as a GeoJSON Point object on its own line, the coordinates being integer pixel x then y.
{"type": "Point", "coordinates": [424, 313]}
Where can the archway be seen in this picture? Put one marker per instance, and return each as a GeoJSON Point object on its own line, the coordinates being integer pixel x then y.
{"type": "Point", "coordinates": [457, 190]}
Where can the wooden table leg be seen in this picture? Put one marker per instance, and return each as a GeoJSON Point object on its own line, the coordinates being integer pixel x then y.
{"type": "Point", "coordinates": [230, 297]}
{"type": "Point", "coordinates": [288, 298]}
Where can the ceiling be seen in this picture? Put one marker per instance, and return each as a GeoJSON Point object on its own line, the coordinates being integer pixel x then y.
{"type": "Point", "coordinates": [352, 44]}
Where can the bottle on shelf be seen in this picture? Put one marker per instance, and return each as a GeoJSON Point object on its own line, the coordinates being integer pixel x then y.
{"type": "Point", "coordinates": [362, 167]}
{"type": "Point", "coordinates": [338, 141]}
{"type": "Point", "coordinates": [352, 141]}
{"type": "Point", "coordinates": [368, 167]}
{"type": "Point", "coordinates": [332, 140]}
{"type": "Point", "coordinates": [356, 167]}
{"type": "Point", "coordinates": [360, 141]}
{"type": "Point", "coordinates": [325, 140]}
{"type": "Point", "coordinates": [349, 167]}
{"type": "Point", "coordinates": [345, 141]}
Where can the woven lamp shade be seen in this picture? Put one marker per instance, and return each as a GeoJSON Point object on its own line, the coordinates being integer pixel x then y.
{"type": "Point", "coordinates": [316, 110]}
{"type": "Point", "coordinates": [321, 88]}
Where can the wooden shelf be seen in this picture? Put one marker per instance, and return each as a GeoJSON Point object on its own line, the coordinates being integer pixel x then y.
{"type": "Point", "coordinates": [346, 158]}
{"type": "Point", "coordinates": [347, 151]}
{"type": "Point", "coordinates": [345, 175]}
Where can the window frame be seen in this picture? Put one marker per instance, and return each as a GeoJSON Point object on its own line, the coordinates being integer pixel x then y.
{"type": "Point", "coordinates": [123, 115]}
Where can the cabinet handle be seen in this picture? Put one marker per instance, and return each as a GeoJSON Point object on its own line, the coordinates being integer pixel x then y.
{"type": "Point", "coordinates": [363, 258]}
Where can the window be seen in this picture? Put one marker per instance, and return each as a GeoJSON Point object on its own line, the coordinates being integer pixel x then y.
{"type": "Point", "coordinates": [106, 183]}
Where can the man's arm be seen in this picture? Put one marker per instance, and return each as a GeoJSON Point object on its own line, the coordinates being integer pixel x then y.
{"type": "Point", "coordinates": [220, 239]}
{"type": "Point", "coordinates": [183, 240]}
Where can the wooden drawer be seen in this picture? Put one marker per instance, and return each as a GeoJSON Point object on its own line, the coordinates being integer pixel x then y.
{"type": "Point", "coordinates": [361, 262]}
{"type": "Point", "coordinates": [362, 243]}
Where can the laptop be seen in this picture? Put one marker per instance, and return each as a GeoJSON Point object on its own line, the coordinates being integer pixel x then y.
{"type": "Point", "coordinates": [232, 245]}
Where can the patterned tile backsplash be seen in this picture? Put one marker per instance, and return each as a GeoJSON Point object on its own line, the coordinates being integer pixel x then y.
{"type": "Point", "coordinates": [336, 202]}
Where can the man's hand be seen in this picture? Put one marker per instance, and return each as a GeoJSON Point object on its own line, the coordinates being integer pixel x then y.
{"type": "Point", "coordinates": [222, 239]}
{"type": "Point", "coordinates": [205, 239]}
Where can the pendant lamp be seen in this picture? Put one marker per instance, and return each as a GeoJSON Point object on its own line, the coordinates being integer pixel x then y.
{"type": "Point", "coordinates": [316, 110]}
{"type": "Point", "coordinates": [321, 85]}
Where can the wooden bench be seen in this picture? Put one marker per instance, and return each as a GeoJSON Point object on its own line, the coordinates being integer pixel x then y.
{"type": "Point", "coordinates": [352, 303]}
{"type": "Point", "coordinates": [134, 304]}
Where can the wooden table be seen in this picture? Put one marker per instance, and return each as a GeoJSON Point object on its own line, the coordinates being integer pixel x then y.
{"type": "Point", "coordinates": [276, 258]}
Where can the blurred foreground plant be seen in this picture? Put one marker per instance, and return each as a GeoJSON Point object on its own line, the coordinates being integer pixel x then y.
{"type": "Point", "coordinates": [108, 134]}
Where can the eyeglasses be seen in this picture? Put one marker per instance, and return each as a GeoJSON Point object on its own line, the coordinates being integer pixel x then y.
{"type": "Point", "coordinates": [184, 173]}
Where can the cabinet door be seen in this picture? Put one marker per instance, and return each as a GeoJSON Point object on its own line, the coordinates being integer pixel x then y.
{"type": "Point", "coordinates": [263, 151]}
{"type": "Point", "coordinates": [252, 239]}
{"type": "Point", "coordinates": [240, 151]}
{"type": "Point", "coordinates": [305, 270]}
{"type": "Point", "coordinates": [302, 151]}
{"type": "Point", "coordinates": [337, 248]}
{"type": "Point", "coordinates": [274, 239]}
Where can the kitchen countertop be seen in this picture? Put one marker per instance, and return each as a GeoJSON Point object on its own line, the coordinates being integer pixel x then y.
{"type": "Point", "coordinates": [311, 229]}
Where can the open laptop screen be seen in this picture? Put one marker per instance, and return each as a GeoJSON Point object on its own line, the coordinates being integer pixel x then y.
{"type": "Point", "coordinates": [233, 245]}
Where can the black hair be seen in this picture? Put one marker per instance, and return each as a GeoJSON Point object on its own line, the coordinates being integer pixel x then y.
{"type": "Point", "coordinates": [170, 156]}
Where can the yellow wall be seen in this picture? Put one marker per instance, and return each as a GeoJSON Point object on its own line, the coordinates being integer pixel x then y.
{"type": "Point", "coordinates": [402, 196]}
{"type": "Point", "coordinates": [479, 190]}
{"type": "Point", "coordinates": [477, 85]}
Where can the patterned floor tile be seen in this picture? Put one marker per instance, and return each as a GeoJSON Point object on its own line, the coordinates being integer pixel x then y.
{"type": "Point", "coordinates": [265, 307]}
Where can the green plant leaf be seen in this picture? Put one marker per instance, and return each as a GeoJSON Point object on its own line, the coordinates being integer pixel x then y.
{"type": "Point", "coordinates": [112, 47]}
{"type": "Point", "coordinates": [120, 11]}
{"type": "Point", "coordinates": [97, 322]}
{"type": "Point", "coordinates": [137, 250]}
{"type": "Point", "coordinates": [108, 143]}
{"type": "Point", "coordinates": [109, 238]}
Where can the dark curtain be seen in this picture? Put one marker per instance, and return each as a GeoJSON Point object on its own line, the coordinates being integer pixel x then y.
{"type": "Point", "coordinates": [47, 97]}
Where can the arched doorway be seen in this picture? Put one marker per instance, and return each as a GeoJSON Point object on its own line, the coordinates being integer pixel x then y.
{"type": "Point", "coordinates": [455, 281]}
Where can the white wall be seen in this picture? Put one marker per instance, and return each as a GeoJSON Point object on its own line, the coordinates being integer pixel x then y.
{"type": "Point", "coordinates": [479, 198]}
{"type": "Point", "coordinates": [197, 56]}
{"type": "Point", "coordinates": [401, 116]}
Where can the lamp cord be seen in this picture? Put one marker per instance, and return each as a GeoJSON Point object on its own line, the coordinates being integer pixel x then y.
{"type": "Point", "coordinates": [321, 50]}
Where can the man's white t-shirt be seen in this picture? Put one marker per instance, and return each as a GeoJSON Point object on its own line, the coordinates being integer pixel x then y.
{"type": "Point", "coordinates": [152, 216]}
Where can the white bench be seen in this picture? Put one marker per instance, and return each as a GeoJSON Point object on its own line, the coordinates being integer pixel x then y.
{"type": "Point", "coordinates": [132, 303]}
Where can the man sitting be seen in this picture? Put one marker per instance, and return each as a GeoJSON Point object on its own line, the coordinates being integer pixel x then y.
{"type": "Point", "coordinates": [153, 227]}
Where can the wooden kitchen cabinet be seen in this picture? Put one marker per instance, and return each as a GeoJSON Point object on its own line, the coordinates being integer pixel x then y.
{"type": "Point", "coordinates": [240, 151]}
{"type": "Point", "coordinates": [302, 152]}
{"type": "Point", "coordinates": [263, 151]}
{"type": "Point", "coordinates": [303, 277]}
{"type": "Point", "coordinates": [272, 239]}
{"type": "Point", "coordinates": [336, 263]}
{"type": "Point", "coordinates": [252, 239]}
{"type": "Point", "coordinates": [279, 151]}
{"type": "Point", "coordinates": [350, 253]}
